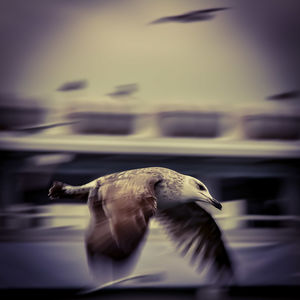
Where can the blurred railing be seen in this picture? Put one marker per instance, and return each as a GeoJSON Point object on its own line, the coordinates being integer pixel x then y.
{"type": "Point", "coordinates": [72, 217]}
{"type": "Point", "coordinates": [194, 132]}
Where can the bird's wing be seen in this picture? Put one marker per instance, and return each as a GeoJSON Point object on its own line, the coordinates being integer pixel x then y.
{"type": "Point", "coordinates": [208, 11]}
{"type": "Point", "coordinates": [126, 207]}
{"type": "Point", "coordinates": [196, 232]}
{"type": "Point", "coordinates": [99, 240]}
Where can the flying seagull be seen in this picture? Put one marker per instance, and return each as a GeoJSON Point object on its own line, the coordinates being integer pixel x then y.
{"type": "Point", "coordinates": [192, 16]}
{"type": "Point", "coordinates": [285, 96]}
{"type": "Point", "coordinates": [72, 86]}
{"type": "Point", "coordinates": [41, 127]}
{"type": "Point", "coordinates": [121, 205]}
{"type": "Point", "coordinates": [124, 90]}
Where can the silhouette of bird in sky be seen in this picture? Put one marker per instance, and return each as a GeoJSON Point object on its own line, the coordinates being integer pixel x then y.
{"type": "Point", "coordinates": [285, 96]}
{"type": "Point", "coordinates": [192, 16]}
{"type": "Point", "coordinates": [72, 86]}
{"type": "Point", "coordinates": [124, 90]}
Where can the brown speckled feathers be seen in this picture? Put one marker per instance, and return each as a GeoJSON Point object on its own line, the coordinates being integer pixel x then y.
{"type": "Point", "coordinates": [124, 208]}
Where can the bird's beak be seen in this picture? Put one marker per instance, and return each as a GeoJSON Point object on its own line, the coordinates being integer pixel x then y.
{"type": "Point", "coordinates": [216, 203]}
{"type": "Point", "coordinates": [212, 201]}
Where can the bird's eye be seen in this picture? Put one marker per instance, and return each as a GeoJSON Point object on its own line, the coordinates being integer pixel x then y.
{"type": "Point", "coordinates": [201, 187]}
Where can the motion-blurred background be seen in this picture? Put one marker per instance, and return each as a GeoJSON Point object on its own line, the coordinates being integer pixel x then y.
{"type": "Point", "coordinates": [209, 88]}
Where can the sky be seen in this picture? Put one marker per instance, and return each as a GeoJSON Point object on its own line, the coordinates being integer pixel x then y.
{"type": "Point", "coordinates": [242, 55]}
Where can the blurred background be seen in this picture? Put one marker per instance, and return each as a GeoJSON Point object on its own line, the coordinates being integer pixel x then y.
{"type": "Point", "coordinates": [208, 88]}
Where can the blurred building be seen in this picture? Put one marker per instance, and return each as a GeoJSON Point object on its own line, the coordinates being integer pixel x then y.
{"type": "Point", "coordinates": [197, 98]}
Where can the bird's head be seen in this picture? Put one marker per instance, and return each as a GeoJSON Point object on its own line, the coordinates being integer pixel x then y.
{"type": "Point", "coordinates": [195, 190]}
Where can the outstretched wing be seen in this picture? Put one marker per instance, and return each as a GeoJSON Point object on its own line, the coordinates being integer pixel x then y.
{"type": "Point", "coordinates": [195, 231]}
{"type": "Point", "coordinates": [121, 211]}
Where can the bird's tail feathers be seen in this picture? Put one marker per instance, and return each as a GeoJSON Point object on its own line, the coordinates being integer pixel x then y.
{"type": "Point", "coordinates": [60, 190]}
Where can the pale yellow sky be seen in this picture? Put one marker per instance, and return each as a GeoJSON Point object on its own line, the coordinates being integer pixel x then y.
{"type": "Point", "coordinates": [108, 45]}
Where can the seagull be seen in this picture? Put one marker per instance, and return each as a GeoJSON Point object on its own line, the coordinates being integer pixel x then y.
{"type": "Point", "coordinates": [121, 205]}
{"type": "Point", "coordinates": [285, 96]}
{"type": "Point", "coordinates": [41, 127]}
{"type": "Point", "coordinates": [124, 90]}
{"type": "Point", "coordinates": [72, 86]}
{"type": "Point", "coordinates": [192, 16]}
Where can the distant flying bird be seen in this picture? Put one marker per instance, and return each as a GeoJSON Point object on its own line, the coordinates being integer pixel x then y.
{"type": "Point", "coordinates": [192, 16]}
{"type": "Point", "coordinates": [72, 86]}
{"type": "Point", "coordinates": [285, 96]}
{"type": "Point", "coordinates": [124, 90]}
{"type": "Point", "coordinates": [121, 205]}
{"type": "Point", "coordinates": [41, 127]}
